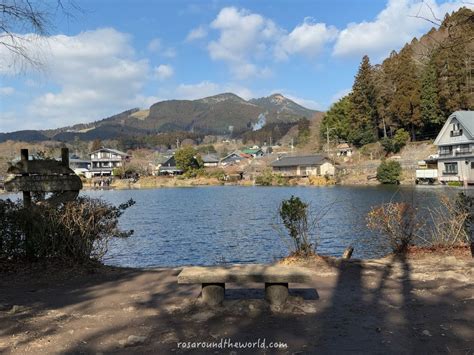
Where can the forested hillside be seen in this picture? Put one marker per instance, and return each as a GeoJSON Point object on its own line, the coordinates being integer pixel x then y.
{"type": "Point", "coordinates": [414, 90]}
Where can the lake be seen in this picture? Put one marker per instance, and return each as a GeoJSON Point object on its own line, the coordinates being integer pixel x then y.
{"type": "Point", "coordinates": [232, 224]}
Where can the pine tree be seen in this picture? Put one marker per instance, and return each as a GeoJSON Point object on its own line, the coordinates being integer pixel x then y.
{"type": "Point", "coordinates": [363, 106]}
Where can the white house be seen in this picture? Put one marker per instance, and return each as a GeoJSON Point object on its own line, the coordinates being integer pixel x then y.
{"type": "Point", "coordinates": [304, 166]}
{"type": "Point", "coordinates": [455, 144]}
{"type": "Point", "coordinates": [105, 160]}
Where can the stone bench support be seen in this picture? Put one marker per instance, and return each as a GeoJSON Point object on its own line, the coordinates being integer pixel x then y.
{"type": "Point", "coordinates": [276, 293]}
{"type": "Point", "coordinates": [213, 293]}
{"type": "Point", "coordinates": [275, 277]}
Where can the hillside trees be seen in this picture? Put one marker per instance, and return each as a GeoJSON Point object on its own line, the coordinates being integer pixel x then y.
{"type": "Point", "coordinates": [415, 89]}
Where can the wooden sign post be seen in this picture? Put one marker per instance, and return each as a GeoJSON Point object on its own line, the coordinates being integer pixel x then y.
{"type": "Point", "coordinates": [44, 176]}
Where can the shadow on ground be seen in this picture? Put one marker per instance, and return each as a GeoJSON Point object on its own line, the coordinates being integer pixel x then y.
{"type": "Point", "coordinates": [388, 306]}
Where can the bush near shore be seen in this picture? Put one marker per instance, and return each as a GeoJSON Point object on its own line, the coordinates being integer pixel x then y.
{"type": "Point", "coordinates": [74, 232]}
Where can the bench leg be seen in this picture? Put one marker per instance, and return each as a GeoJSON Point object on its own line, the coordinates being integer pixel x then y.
{"type": "Point", "coordinates": [213, 294]}
{"type": "Point", "coordinates": [276, 293]}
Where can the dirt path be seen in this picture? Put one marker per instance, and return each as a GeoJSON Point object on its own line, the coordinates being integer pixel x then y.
{"type": "Point", "coordinates": [393, 305]}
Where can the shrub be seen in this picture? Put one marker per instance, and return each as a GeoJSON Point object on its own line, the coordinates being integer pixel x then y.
{"type": "Point", "coordinates": [455, 183]}
{"type": "Point", "coordinates": [373, 150]}
{"type": "Point", "coordinates": [400, 139]}
{"type": "Point", "coordinates": [265, 179]}
{"type": "Point", "coordinates": [395, 144]}
{"type": "Point", "coordinates": [294, 216]}
{"type": "Point", "coordinates": [77, 231]}
{"type": "Point", "coordinates": [389, 172]}
{"type": "Point", "coordinates": [396, 222]}
{"type": "Point", "coordinates": [451, 221]}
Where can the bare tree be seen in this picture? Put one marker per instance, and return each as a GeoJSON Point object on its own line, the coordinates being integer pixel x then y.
{"type": "Point", "coordinates": [32, 17]}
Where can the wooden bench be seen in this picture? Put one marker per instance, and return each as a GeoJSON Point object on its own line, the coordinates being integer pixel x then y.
{"type": "Point", "coordinates": [213, 279]}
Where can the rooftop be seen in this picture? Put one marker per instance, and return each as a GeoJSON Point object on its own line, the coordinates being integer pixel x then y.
{"type": "Point", "coordinates": [300, 160]}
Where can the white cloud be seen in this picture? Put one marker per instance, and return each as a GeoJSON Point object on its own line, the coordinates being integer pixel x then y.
{"type": "Point", "coordinates": [197, 91]}
{"type": "Point", "coordinates": [247, 40]}
{"type": "Point", "coordinates": [154, 45]}
{"type": "Point", "coordinates": [163, 71]}
{"type": "Point", "coordinates": [307, 38]}
{"type": "Point", "coordinates": [394, 26]}
{"type": "Point", "coordinates": [196, 33]}
{"type": "Point", "coordinates": [97, 75]}
{"type": "Point", "coordinates": [6, 90]}
{"type": "Point", "coordinates": [244, 38]}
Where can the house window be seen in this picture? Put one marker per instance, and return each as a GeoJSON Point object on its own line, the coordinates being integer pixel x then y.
{"type": "Point", "coordinates": [447, 150]}
{"type": "Point", "coordinates": [463, 149]}
{"type": "Point", "coordinates": [450, 168]}
{"type": "Point", "coordinates": [472, 164]}
{"type": "Point", "coordinates": [457, 130]}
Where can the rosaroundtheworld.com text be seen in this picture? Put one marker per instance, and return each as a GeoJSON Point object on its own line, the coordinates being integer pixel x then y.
{"type": "Point", "coordinates": [227, 343]}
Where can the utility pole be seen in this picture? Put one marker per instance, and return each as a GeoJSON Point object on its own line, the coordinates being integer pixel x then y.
{"type": "Point", "coordinates": [327, 137]}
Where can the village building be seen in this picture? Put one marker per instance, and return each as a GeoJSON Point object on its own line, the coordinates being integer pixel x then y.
{"type": "Point", "coordinates": [254, 152]}
{"type": "Point", "coordinates": [455, 144]}
{"type": "Point", "coordinates": [105, 160]}
{"type": "Point", "coordinates": [210, 161]}
{"type": "Point", "coordinates": [168, 167]}
{"type": "Point", "coordinates": [304, 166]}
{"type": "Point", "coordinates": [236, 157]}
{"type": "Point", "coordinates": [344, 150]}
{"type": "Point", "coordinates": [80, 167]}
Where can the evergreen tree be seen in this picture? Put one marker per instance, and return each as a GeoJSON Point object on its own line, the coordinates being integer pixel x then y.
{"type": "Point", "coordinates": [405, 105]}
{"type": "Point", "coordinates": [429, 103]}
{"type": "Point", "coordinates": [337, 120]}
{"type": "Point", "coordinates": [450, 62]}
{"type": "Point", "coordinates": [385, 88]}
{"type": "Point", "coordinates": [364, 125]}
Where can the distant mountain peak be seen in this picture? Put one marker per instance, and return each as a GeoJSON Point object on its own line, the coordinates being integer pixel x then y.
{"type": "Point", "coordinates": [283, 105]}
{"type": "Point", "coordinates": [278, 98]}
{"type": "Point", "coordinates": [222, 97]}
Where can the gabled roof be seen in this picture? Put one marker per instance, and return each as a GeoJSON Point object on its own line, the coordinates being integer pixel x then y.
{"type": "Point", "coordinates": [465, 118]}
{"type": "Point", "coordinates": [251, 151]}
{"type": "Point", "coordinates": [236, 153]}
{"type": "Point", "coordinates": [111, 150]}
{"type": "Point", "coordinates": [210, 158]}
{"type": "Point", "coordinates": [300, 160]}
{"type": "Point", "coordinates": [169, 162]}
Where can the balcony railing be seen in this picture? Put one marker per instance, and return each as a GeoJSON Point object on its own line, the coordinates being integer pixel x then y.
{"type": "Point", "coordinates": [445, 153]}
{"type": "Point", "coordinates": [463, 152]}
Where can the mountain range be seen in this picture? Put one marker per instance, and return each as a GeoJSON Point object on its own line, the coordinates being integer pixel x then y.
{"type": "Point", "coordinates": [222, 114]}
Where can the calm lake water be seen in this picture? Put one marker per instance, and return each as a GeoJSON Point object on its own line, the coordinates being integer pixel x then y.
{"type": "Point", "coordinates": [212, 225]}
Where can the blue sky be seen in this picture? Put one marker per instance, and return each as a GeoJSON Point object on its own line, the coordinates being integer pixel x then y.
{"type": "Point", "coordinates": [119, 54]}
